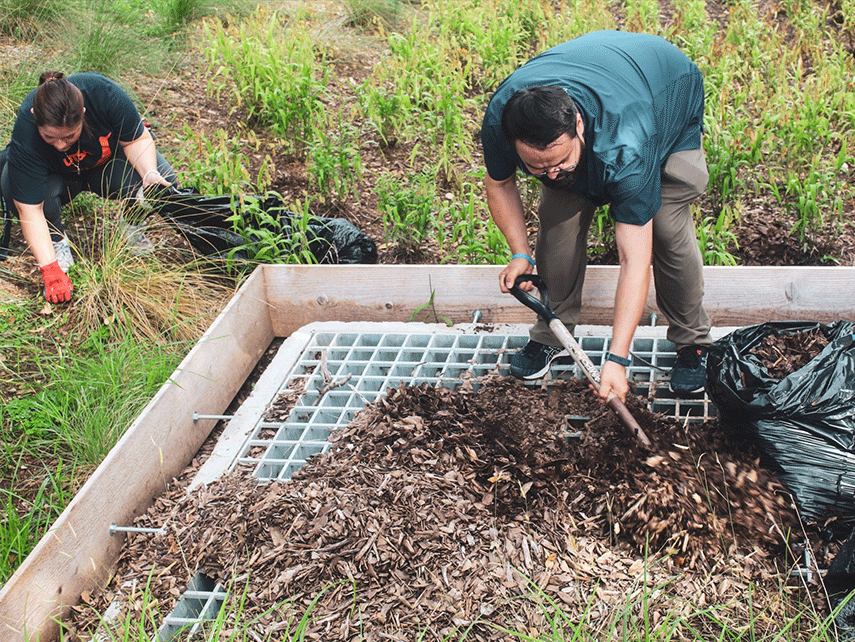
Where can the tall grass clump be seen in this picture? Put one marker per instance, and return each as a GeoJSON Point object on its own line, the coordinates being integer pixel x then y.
{"type": "Point", "coordinates": [376, 14]}
{"type": "Point", "coordinates": [273, 71]}
{"type": "Point", "coordinates": [25, 19]}
{"type": "Point", "coordinates": [17, 81]}
{"type": "Point", "coordinates": [158, 300]}
{"type": "Point", "coordinates": [411, 212]}
{"type": "Point", "coordinates": [217, 163]}
{"type": "Point", "coordinates": [88, 396]}
{"type": "Point", "coordinates": [489, 39]}
{"type": "Point", "coordinates": [470, 234]}
{"type": "Point", "coordinates": [642, 16]}
{"type": "Point", "coordinates": [98, 35]}
{"type": "Point", "coordinates": [172, 16]}
{"type": "Point", "coordinates": [272, 234]}
{"type": "Point", "coordinates": [429, 105]}
{"type": "Point", "coordinates": [116, 37]}
{"type": "Point", "coordinates": [335, 166]}
{"type": "Point", "coordinates": [716, 239]}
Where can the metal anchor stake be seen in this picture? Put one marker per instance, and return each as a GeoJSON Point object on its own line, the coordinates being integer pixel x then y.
{"type": "Point", "coordinates": [197, 417]}
{"type": "Point", "coordinates": [135, 529]}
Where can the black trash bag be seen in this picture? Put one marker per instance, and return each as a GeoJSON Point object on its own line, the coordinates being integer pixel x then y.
{"type": "Point", "coordinates": [839, 581]}
{"type": "Point", "coordinates": [804, 424]}
{"type": "Point", "coordinates": [204, 222]}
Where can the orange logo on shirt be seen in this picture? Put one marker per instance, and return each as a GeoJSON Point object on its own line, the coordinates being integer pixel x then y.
{"type": "Point", "coordinates": [105, 150]}
{"type": "Point", "coordinates": [74, 160]}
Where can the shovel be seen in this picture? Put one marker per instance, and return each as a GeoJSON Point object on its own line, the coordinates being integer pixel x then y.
{"type": "Point", "coordinates": [582, 360]}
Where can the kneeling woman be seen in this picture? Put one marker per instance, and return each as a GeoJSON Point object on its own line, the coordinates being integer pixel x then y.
{"type": "Point", "coordinates": [73, 134]}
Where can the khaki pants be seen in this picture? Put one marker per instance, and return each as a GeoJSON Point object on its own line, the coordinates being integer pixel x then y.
{"type": "Point", "coordinates": [561, 253]}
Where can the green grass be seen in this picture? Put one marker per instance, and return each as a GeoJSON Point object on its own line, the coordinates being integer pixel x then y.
{"type": "Point", "coordinates": [217, 164]}
{"type": "Point", "coordinates": [95, 394]}
{"type": "Point", "coordinates": [56, 427]}
{"type": "Point", "coordinates": [24, 19]}
{"type": "Point", "coordinates": [26, 518]}
{"type": "Point", "coordinates": [409, 207]}
{"type": "Point", "coordinates": [336, 165]}
{"type": "Point", "coordinates": [271, 70]}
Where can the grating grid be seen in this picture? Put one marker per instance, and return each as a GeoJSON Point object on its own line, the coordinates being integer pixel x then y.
{"type": "Point", "coordinates": [338, 372]}
{"type": "Point", "coordinates": [202, 600]}
{"type": "Point", "coordinates": [325, 373]}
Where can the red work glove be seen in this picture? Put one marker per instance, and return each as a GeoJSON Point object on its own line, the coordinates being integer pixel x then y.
{"type": "Point", "coordinates": [58, 286]}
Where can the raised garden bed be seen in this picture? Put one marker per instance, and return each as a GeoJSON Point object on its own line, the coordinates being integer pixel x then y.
{"type": "Point", "coordinates": [80, 552]}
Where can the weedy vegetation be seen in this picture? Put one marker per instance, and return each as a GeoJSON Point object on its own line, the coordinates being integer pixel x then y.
{"type": "Point", "coordinates": [326, 87]}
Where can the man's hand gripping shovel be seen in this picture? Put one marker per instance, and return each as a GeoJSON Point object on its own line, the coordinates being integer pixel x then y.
{"type": "Point", "coordinates": [582, 360]}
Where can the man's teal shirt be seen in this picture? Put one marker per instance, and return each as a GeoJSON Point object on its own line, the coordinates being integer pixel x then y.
{"type": "Point", "coordinates": [641, 100]}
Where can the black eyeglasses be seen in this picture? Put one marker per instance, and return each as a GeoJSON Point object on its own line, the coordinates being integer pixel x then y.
{"type": "Point", "coordinates": [556, 168]}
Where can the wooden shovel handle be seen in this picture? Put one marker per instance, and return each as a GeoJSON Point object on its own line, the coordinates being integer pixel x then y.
{"type": "Point", "coordinates": [628, 420]}
{"type": "Point", "coordinates": [541, 307]}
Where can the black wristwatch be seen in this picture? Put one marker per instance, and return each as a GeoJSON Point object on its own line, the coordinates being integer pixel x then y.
{"type": "Point", "coordinates": [611, 356]}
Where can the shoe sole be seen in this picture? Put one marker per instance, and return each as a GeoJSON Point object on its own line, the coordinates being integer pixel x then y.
{"type": "Point", "coordinates": [687, 392]}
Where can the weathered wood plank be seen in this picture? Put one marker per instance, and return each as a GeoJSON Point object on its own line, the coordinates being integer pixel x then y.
{"type": "Point", "coordinates": [739, 296]}
{"type": "Point", "coordinates": [78, 553]}
{"type": "Point", "coordinates": [735, 296]}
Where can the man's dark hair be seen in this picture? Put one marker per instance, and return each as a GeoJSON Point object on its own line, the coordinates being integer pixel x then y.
{"type": "Point", "coordinates": [538, 115]}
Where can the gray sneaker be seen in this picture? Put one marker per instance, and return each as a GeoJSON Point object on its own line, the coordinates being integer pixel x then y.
{"type": "Point", "coordinates": [135, 237]}
{"type": "Point", "coordinates": [62, 249]}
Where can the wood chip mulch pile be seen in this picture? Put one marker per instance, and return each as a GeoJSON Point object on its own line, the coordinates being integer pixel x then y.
{"type": "Point", "coordinates": [786, 353]}
{"type": "Point", "coordinates": [437, 510]}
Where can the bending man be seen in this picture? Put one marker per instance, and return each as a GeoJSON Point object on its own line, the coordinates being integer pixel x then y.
{"type": "Point", "coordinates": [607, 118]}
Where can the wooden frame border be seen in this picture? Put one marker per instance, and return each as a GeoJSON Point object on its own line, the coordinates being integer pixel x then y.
{"type": "Point", "coordinates": [78, 553]}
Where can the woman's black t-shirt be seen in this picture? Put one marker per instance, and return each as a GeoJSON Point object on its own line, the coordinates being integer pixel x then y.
{"type": "Point", "coordinates": [111, 117]}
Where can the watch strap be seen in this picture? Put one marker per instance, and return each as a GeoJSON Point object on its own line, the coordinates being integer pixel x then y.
{"type": "Point", "coordinates": [610, 356]}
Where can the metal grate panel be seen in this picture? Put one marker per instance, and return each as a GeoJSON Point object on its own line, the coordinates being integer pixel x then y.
{"type": "Point", "coordinates": [200, 602]}
{"type": "Point", "coordinates": [339, 368]}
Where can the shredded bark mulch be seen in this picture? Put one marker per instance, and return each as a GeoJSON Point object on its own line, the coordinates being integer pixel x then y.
{"type": "Point", "coordinates": [785, 354]}
{"type": "Point", "coordinates": [488, 507]}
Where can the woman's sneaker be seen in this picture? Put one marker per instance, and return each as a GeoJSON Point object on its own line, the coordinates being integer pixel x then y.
{"type": "Point", "coordinates": [689, 374]}
{"type": "Point", "coordinates": [135, 237]}
{"type": "Point", "coordinates": [533, 361]}
{"type": "Point", "coordinates": [62, 249]}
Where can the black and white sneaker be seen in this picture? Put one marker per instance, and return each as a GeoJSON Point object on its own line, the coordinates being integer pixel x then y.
{"type": "Point", "coordinates": [534, 359]}
{"type": "Point", "coordinates": [689, 374]}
